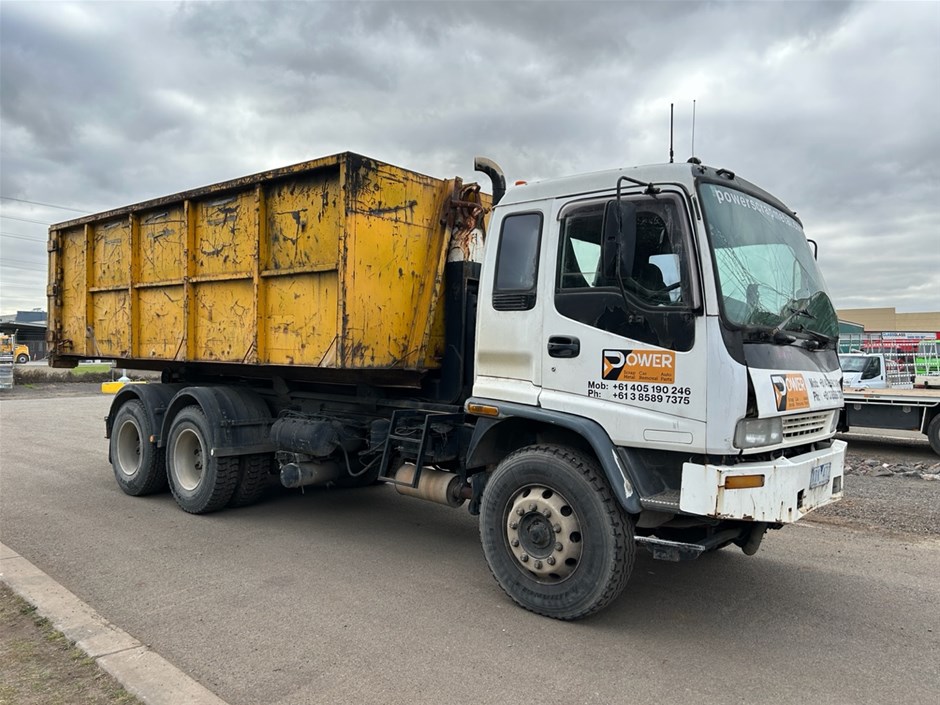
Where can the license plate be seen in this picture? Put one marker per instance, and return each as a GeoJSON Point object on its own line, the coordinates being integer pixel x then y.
{"type": "Point", "coordinates": [819, 475]}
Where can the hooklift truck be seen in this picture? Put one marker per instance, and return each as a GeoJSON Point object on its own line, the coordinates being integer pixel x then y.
{"type": "Point", "coordinates": [638, 357]}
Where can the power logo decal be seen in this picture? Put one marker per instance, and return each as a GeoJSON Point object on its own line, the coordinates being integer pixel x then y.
{"type": "Point", "coordinates": [790, 392]}
{"type": "Point", "coordinates": [639, 366]}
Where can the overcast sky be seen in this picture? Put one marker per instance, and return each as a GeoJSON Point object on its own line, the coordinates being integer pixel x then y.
{"type": "Point", "coordinates": [831, 106]}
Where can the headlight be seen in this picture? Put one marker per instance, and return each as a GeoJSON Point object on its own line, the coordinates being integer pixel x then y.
{"type": "Point", "coordinates": [753, 433]}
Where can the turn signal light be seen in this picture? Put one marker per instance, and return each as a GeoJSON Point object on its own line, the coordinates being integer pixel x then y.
{"type": "Point", "coordinates": [482, 410]}
{"type": "Point", "coordinates": [741, 482]}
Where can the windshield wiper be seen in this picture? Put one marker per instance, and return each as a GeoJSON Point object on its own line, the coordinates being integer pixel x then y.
{"type": "Point", "coordinates": [816, 337]}
{"type": "Point", "coordinates": [777, 334]}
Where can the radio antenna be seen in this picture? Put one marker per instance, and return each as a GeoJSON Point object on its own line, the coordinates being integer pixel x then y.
{"type": "Point", "coordinates": [671, 154]}
{"type": "Point", "coordinates": [693, 127]}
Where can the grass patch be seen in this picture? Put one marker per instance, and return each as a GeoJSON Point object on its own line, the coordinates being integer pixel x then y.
{"type": "Point", "coordinates": [44, 375]}
{"type": "Point", "coordinates": [97, 368]}
{"type": "Point", "coordinates": [40, 666]}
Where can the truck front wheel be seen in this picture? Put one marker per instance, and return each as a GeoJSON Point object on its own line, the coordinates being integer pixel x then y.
{"type": "Point", "coordinates": [933, 433]}
{"type": "Point", "coordinates": [200, 482]}
{"type": "Point", "coordinates": [554, 536]}
{"type": "Point", "coordinates": [139, 466]}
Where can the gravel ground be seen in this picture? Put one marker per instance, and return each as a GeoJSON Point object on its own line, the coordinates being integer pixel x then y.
{"type": "Point", "coordinates": [892, 503]}
{"type": "Point", "coordinates": [878, 494]}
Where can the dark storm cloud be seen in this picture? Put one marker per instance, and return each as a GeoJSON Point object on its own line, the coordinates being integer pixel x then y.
{"type": "Point", "coordinates": [832, 106]}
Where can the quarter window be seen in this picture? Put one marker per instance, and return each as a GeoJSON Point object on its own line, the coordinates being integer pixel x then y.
{"type": "Point", "coordinates": [517, 262]}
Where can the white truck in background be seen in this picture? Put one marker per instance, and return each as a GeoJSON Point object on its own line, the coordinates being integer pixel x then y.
{"type": "Point", "coordinates": [879, 393]}
{"type": "Point", "coordinates": [873, 371]}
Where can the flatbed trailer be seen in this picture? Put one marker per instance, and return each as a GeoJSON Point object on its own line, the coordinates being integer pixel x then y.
{"type": "Point", "coordinates": [903, 409]}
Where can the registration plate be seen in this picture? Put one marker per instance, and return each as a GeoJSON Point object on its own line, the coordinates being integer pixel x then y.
{"type": "Point", "coordinates": [819, 475]}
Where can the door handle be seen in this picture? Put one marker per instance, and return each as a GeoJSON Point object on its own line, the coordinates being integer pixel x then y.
{"type": "Point", "coordinates": [563, 346]}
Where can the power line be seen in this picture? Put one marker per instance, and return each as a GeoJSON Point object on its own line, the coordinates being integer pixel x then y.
{"type": "Point", "coordinates": [46, 205]}
{"type": "Point", "coordinates": [16, 236]}
{"type": "Point", "coordinates": [6, 264]}
{"type": "Point", "coordinates": [25, 220]}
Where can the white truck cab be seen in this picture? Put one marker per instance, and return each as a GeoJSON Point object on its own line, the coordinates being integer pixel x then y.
{"type": "Point", "coordinates": [873, 371]}
{"type": "Point", "coordinates": [679, 311]}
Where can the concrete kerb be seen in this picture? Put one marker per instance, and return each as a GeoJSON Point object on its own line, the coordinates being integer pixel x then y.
{"type": "Point", "coordinates": [142, 672]}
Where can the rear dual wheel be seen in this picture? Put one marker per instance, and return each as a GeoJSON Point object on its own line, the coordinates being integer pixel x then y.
{"type": "Point", "coordinates": [200, 481]}
{"type": "Point", "coordinates": [555, 538]}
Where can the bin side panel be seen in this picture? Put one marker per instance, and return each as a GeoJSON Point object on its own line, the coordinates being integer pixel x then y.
{"type": "Point", "coordinates": [392, 261]}
{"type": "Point", "coordinates": [226, 235]}
{"type": "Point", "coordinates": [112, 253]}
{"type": "Point", "coordinates": [225, 321]}
{"type": "Point", "coordinates": [111, 324]}
{"type": "Point", "coordinates": [162, 240]}
{"type": "Point", "coordinates": [160, 333]}
{"type": "Point", "coordinates": [72, 291]}
{"type": "Point", "coordinates": [304, 221]}
{"type": "Point", "coordinates": [301, 319]}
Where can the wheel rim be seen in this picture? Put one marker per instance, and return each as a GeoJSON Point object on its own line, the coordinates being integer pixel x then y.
{"type": "Point", "coordinates": [544, 534]}
{"type": "Point", "coordinates": [188, 456]}
{"type": "Point", "coordinates": [128, 448]}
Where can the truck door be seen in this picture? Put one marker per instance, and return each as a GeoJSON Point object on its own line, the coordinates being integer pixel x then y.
{"type": "Point", "coordinates": [629, 354]}
{"type": "Point", "coordinates": [507, 363]}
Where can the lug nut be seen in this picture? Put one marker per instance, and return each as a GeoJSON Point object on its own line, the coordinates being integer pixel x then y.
{"type": "Point", "coordinates": [558, 546]}
{"type": "Point", "coordinates": [514, 525]}
{"type": "Point", "coordinates": [550, 560]}
{"type": "Point", "coordinates": [524, 558]}
{"type": "Point", "coordinates": [538, 564]}
{"type": "Point", "coordinates": [533, 506]}
{"type": "Point", "coordinates": [520, 511]}
{"type": "Point", "coordinates": [546, 513]}
{"type": "Point", "coordinates": [515, 543]}
{"type": "Point", "coordinates": [556, 528]}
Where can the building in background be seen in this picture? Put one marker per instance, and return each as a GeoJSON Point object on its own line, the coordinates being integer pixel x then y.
{"type": "Point", "coordinates": [29, 327]}
{"type": "Point", "coordinates": [888, 320]}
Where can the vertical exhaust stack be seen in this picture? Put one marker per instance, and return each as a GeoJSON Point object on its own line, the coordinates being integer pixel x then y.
{"type": "Point", "coordinates": [492, 170]}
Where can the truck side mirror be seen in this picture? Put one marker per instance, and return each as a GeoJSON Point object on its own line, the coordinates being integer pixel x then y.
{"type": "Point", "coordinates": [619, 241]}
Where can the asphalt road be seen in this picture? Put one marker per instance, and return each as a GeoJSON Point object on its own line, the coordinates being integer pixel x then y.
{"type": "Point", "coordinates": [362, 596]}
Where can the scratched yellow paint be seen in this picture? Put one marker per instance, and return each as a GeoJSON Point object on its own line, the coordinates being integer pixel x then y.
{"type": "Point", "coordinates": [162, 244]}
{"type": "Point", "coordinates": [112, 253]}
{"type": "Point", "coordinates": [110, 323]}
{"type": "Point", "coordinates": [304, 220]}
{"type": "Point", "coordinates": [72, 286]}
{"type": "Point", "coordinates": [161, 335]}
{"type": "Point", "coordinates": [334, 263]}
{"type": "Point", "coordinates": [301, 319]}
{"type": "Point", "coordinates": [392, 258]}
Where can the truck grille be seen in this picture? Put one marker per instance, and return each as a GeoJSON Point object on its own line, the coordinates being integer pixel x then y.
{"type": "Point", "coordinates": [802, 425]}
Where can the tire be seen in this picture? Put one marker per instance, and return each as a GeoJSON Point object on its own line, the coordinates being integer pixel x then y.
{"type": "Point", "coordinates": [570, 562]}
{"type": "Point", "coordinates": [933, 433]}
{"type": "Point", "coordinates": [139, 466]}
{"type": "Point", "coordinates": [22, 358]}
{"type": "Point", "coordinates": [254, 478]}
{"type": "Point", "coordinates": [200, 482]}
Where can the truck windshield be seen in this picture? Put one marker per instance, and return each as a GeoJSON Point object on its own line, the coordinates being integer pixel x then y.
{"type": "Point", "coordinates": [852, 363]}
{"type": "Point", "coordinates": [767, 277]}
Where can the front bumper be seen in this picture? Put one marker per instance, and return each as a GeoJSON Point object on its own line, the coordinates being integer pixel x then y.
{"type": "Point", "coordinates": [785, 497]}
